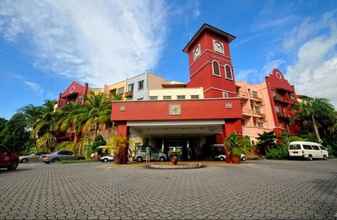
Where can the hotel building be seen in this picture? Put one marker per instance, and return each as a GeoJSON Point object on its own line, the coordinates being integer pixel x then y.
{"type": "Point", "coordinates": [203, 111]}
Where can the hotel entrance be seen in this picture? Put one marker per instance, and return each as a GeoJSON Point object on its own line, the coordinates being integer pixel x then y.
{"type": "Point", "coordinates": [189, 140]}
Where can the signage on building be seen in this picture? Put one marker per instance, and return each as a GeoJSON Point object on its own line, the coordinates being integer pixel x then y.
{"type": "Point", "coordinates": [228, 105]}
{"type": "Point", "coordinates": [174, 109]}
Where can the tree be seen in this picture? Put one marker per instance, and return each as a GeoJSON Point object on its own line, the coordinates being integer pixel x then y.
{"type": "Point", "coordinates": [318, 114]}
{"type": "Point", "coordinates": [266, 140]}
{"type": "Point", "coordinates": [14, 134]}
{"type": "Point", "coordinates": [97, 111]}
{"type": "Point", "coordinates": [44, 128]}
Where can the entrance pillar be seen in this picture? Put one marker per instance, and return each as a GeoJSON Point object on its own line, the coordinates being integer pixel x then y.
{"type": "Point", "coordinates": [122, 129]}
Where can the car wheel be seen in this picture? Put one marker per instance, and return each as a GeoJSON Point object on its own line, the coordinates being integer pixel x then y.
{"type": "Point", "coordinates": [310, 157]}
{"type": "Point", "coordinates": [25, 160]}
{"type": "Point", "coordinates": [139, 159]}
{"type": "Point", "coordinates": [162, 158]}
{"type": "Point", "coordinates": [325, 157]}
{"type": "Point", "coordinates": [13, 166]}
{"type": "Point", "coordinates": [244, 159]}
{"type": "Point", "coordinates": [105, 160]}
{"type": "Point", "coordinates": [222, 158]}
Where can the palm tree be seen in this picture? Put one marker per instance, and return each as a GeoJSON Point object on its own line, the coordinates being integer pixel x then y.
{"type": "Point", "coordinates": [85, 120]}
{"type": "Point", "coordinates": [96, 112]}
{"type": "Point", "coordinates": [44, 126]}
{"type": "Point", "coordinates": [315, 111]}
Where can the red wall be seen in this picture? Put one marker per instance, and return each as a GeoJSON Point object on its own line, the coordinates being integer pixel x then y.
{"type": "Point", "coordinates": [206, 109]}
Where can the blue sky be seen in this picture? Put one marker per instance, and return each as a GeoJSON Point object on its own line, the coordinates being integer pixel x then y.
{"type": "Point", "coordinates": [45, 44]}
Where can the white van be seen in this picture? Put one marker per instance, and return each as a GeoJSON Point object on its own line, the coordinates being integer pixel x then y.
{"type": "Point", "coordinates": [308, 150]}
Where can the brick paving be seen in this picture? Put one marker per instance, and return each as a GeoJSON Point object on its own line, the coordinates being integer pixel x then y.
{"type": "Point", "coordinates": [253, 190]}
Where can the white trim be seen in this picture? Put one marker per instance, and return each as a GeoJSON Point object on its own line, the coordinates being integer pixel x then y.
{"type": "Point", "coordinates": [176, 123]}
{"type": "Point", "coordinates": [215, 61]}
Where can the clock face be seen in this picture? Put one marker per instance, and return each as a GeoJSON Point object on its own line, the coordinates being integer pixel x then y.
{"type": "Point", "coordinates": [196, 52]}
{"type": "Point", "coordinates": [218, 46]}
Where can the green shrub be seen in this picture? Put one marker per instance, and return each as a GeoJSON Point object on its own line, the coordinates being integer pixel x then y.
{"type": "Point", "coordinates": [278, 152]}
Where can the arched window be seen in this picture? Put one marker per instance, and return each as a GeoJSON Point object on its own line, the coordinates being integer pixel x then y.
{"type": "Point", "coordinates": [216, 68]}
{"type": "Point", "coordinates": [228, 72]}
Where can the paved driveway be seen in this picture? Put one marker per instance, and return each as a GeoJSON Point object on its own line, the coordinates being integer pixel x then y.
{"type": "Point", "coordinates": [254, 190]}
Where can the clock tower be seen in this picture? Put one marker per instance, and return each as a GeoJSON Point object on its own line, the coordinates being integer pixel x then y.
{"type": "Point", "coordinates": [210, 63]}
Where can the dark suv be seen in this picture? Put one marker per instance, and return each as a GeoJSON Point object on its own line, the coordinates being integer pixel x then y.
{"type": "Point", "coordinates": [8, 158]}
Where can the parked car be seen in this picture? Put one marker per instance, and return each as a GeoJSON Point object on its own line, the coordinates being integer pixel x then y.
{"type": "Point", "coordinates": [223, 157]}
{"type": "Point", "coordinates": [307, 150]}
{"type": "Point", "coordinates": [57, 156]}
{"type": "Point", "coordinates": [219, 152]}
{"type": "Point", "coordinates": [8, 159]}
{"type": "Point", "coordinates": [31, 157]}
{"type": "Point", "coordinates": [154, 154]}
{"type": "Point", "coordinates": [107, 158]}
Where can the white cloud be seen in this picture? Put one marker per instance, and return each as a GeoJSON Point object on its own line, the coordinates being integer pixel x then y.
{"type": "Point", "coordinates": [315, 71]}
{"type": "Point", "coordinates": [95, 41]}
{"type": "Point", "coordinates": [34, 86]}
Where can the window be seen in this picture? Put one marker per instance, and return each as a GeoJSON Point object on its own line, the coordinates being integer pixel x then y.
{"type": "Point", "coordinates": [153, 97]}
{"type": "Point", "coordinates": [130, 87]}
{"type": "Point", "coordinates": [295, 147]}
{"type": "Point", "coordinates": [260, 124]}
{"type": "Point", "coordinates": [194, 96]}
{"type": "Point", "coordinates": [180, 97]}
{"type": "Point", "coordinates": [226, 94]}
{"type": "Point", "coordinates": [307, 147]}
{"type": "Point", "coordinates": [228, 72]}
{"type": "Point", "coordinates": [196, 52]}
{"type": "Point", "coordinates": [257, 109]}
{"type": "Point", "coordinates": [141, 85]}
{"type": "Point", "coordinates": [120, 90]}
{"type": "Point", "coordinates": [216, 68]}
{"type": "Point", "coordinates": [167, 97]}
{"type": "Point", "coordinates": [254, 94]}
{"type": "Point", "coordinates": [314, 147]}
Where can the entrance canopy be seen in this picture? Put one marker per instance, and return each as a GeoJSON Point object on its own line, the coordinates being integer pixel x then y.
{"type": "Point", "coordinates": [177, 128]}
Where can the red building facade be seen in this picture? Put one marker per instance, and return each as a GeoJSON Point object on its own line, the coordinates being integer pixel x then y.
{"type": "Point", "coordinates": [211, 119]}
{"type": "Point", "coordinates": [75, 93]}
{"type": "Point", "coordinates": [208, 119]}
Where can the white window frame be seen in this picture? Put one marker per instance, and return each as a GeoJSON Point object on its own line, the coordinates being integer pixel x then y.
{"type": "Point", "coordinates": [213, 73]}
{"type": "Point", "coordinates": [215, 49]}
{"type": "Point", "coordinates": [232, 77]}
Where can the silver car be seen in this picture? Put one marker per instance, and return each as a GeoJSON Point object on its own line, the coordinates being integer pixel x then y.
{"type": "Point", "coordinates": [57, 156]}
{"type": "Point", "coordinates": [31, 157]}
{"type": "Point", "coordinates": [154, 154]}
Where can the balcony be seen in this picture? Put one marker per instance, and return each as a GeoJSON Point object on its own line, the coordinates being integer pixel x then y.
{"type": "Point", "coordinates": [163, 110]}
{"type": "Point", "coordinates": [243, 95]}
{"type": "Point", "coordinates": [128, 94]}
{"type": "Point", "coordinates": [284, 99]}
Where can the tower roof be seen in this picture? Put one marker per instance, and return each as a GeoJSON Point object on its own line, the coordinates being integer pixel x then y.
{"type": "Point", "coordinates": [211, 28]}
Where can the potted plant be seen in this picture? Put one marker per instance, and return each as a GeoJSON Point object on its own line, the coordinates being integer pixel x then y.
{"type": "Point", "coordinates": [236, 145]}
{"type": "Point", "coordinates": [174, 158]}
{"type": "Point", "coordinates": [236, 155]}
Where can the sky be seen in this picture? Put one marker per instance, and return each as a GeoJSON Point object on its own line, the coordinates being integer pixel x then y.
{"type": "Point", "coordinates": [46, 44]}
